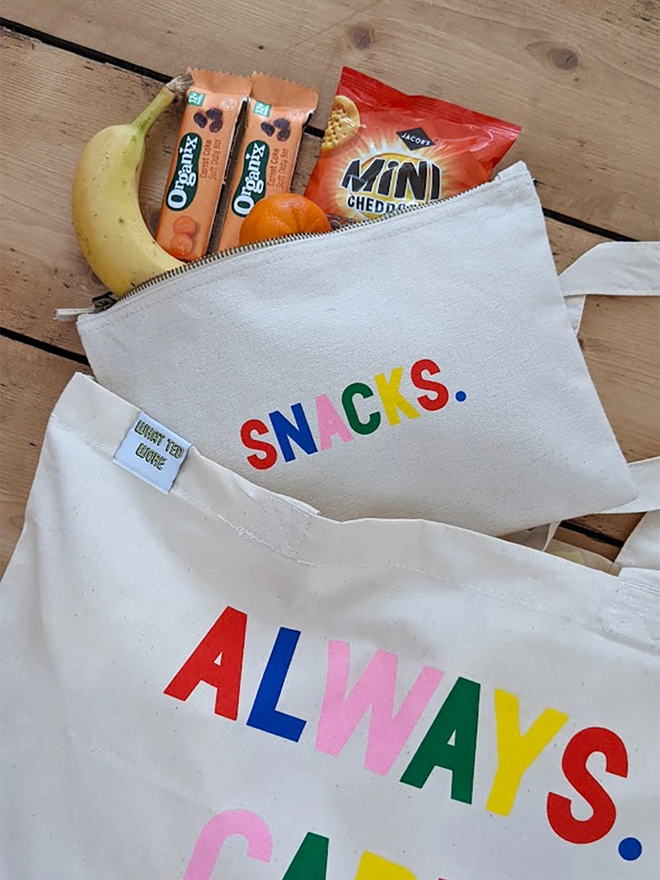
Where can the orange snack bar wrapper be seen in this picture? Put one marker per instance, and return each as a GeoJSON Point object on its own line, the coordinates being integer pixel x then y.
{"type": "Point", "coordinates": [277, 111]}
{"type": "Point", "coordinates": [198, 167]}
{"type": "Point", "coordinates": [384, 150]}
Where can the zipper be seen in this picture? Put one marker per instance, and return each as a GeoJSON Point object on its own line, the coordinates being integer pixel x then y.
{"type": "Point", "coordinates": [107, 300]}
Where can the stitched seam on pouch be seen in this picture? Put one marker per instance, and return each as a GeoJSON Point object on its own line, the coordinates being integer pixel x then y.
{"type": "Point", "coordinates": [494, 594]}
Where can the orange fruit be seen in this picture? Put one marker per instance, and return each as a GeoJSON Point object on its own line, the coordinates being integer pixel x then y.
{"type": "Point", "coordinates": [280, 215]}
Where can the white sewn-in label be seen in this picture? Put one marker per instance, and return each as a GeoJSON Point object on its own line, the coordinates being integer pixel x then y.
{"type": "Point", "coordinates": [152, 452]}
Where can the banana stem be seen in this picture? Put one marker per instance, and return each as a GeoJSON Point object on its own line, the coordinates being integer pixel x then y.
{"type": "Point", "coordinates": [180, 83]}
{"type": "Point", "coordinates": [150, 114]}
{"type": "Point", "coordinates": [162, 101]}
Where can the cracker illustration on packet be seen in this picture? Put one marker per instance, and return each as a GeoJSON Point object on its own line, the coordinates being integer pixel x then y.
{"type": "Point", "coordinates": [343, 126]}
{"type": "Point", "coordinates": [277, 111]}
{"type": "Point", "coordinates": [384, 150]}
{"type": "Point", "coordinates": [198, 167]}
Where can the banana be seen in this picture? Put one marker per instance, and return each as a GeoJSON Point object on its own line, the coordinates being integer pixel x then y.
{"type": "Point", "coordinates": [104, 201]}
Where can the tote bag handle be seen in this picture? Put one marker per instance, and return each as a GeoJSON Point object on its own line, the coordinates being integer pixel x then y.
{"type": "Point", "coordinates": [625, 269]}
{"type": "Point", "coordinates": [619, 269]}
{"type": "Point", "coordinates": [614, 269]}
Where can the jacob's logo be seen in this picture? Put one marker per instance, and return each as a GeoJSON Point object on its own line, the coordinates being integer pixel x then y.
{"type": "Point", "coordinates": [415, 138]}
{"type": "Point", "coordinates": [252, 185]}
{"type": "Point", "coordinates": [184, 182]}
{"type": "Point", "coordinates": [391, 181]}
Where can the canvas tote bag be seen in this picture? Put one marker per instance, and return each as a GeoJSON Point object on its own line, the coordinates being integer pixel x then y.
{"type": "Point", "coordinates": [420, 366]}
{"type": "Point", "coordinates": [215, 682]}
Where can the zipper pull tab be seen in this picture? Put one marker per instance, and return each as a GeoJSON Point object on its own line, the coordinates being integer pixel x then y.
{"type": "Point", "coordinates": [68, 315]}
{"type": "Point", "coordinates": [100, 304]}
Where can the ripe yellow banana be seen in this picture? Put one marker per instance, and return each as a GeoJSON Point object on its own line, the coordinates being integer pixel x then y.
{"type": "Point", "coordinates": [106, 212]}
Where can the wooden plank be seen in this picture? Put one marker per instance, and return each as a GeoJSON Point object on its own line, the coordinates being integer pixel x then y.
{"type": "Point", "coordinates": [42, 266]}
{"type": "Point", "coordinates": [586, 542]}
{"type": "Point", "coordinates": [626, 375]}
{"type": "Point", "coordinates": [69, 99]}
{"type": "Point", "coordinates": [581, 77]}
{"type": "Point", "coordinates": [43, 269]}
{"type": "Point", "coordinates": [31, 383]}
{"type": "Point", "coordinates": [624, 362]}
{"type": "Point", "coordinates": [617, 526]}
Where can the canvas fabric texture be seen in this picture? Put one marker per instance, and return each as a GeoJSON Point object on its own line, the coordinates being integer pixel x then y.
{"type": "Point", "coordinates": [219, 683]}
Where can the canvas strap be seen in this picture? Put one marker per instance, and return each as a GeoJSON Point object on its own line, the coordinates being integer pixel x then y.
{"type": "Point", "coordinates": [619, 269]}
{"type": "Point", "coordinates": [625, 269]}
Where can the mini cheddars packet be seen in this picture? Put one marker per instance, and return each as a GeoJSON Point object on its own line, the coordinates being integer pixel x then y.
{"type": "Point", "coordinates": [198, 167]}
{"type": "Point", "coordinates": [276, 113]}
{"type": "Point", "coordinates": [384, 150]}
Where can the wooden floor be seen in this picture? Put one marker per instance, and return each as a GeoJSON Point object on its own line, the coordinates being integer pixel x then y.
{"type": "Point", "coordinates": [581, 77]}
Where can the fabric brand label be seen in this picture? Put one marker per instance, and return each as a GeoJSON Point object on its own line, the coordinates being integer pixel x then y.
{"type": "Point", "coordinates": [152, 452]}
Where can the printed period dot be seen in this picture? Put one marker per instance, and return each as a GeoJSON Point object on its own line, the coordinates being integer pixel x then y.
{"type": "Point", "coordinates": [630, 849]}
{"type": "Point", "coordinates": [461, 396]}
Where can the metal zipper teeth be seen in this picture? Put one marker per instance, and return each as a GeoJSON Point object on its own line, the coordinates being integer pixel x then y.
{"type": "Point", "coordinates": [298, 236]}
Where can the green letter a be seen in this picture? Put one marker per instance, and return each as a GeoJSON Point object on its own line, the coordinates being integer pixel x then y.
{"type": "Point", "coordinates": [458, 715]}
{"type": "Point", "coordinates": [311, 860]}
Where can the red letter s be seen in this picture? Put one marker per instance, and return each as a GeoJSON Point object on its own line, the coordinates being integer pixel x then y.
{"type": "Point", "coordinates": [261, 463]}
{"type": "Point", "coordinates": [441, 393]}
{"type": "Point", "coordinates": [574, 765]}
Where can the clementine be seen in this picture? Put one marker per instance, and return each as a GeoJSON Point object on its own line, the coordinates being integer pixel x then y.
{"type": "Point", "coordinates": [280, 215]}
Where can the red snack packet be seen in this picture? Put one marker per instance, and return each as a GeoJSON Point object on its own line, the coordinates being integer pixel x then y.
{"type": "Point", "coordinates": [384, 150]}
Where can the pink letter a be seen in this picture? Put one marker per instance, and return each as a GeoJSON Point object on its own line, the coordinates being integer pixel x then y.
{"type": "Point", "coordinates": [330, 422]}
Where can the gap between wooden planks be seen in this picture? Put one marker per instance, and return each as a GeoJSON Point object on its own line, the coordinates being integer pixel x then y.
{"type": "Point", "coordinates": [580, 77]}
{"type": "Point", "coordinates": [32, 380]}
{"type": "Point", "coordinates": [70, 98]}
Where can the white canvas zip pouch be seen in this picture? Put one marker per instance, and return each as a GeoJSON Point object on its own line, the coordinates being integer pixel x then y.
{"type": "Point", "coordinates": [420, 366]}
